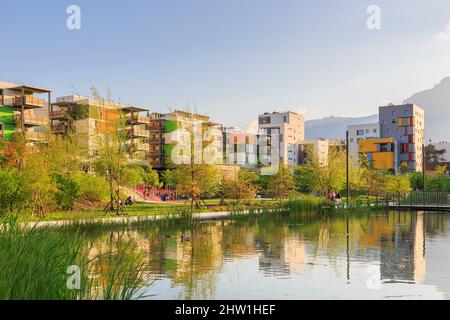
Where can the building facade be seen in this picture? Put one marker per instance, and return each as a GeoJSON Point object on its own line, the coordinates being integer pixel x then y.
{"type": "Point", "coordinates": [379, 154]}
{"type": "Point", "coordinates": [406, 124]}
{"type": "Point", "coordinates": [23, 109]}
{"type": "Point", "coordinates": [317, 149]}
{"type": "Point", "coordinates": [290, 127]}
{"type": "Point", "coordinates": [360, 132]}
{"type": "Point", "coordinates": [90, 120]}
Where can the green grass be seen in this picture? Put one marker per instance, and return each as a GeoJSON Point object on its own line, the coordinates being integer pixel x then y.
{"type": "Point", "coordinates": [34, 265]}
{"type": "Point", "coordinates": [152, 209]}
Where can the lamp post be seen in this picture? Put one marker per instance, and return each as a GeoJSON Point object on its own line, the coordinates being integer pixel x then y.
{"type": "Point", "coordinates": [346, 169]}
{"type": "Point", "coordinates": [423, 172]}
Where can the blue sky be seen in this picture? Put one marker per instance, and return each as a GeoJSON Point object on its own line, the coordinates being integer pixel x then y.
{"type": "Point", "coordinates": [231, 59]}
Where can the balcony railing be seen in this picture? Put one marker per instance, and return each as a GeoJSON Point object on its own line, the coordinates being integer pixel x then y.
{"type": "Point", "coordinates": [29, 101]}
{"type": "Point", "coordinates": [59, 128]}
{"type": "Point", "coordinates": [138, 118]}
{"type": "Point", "coordinates": [142, 146]}
{"type": "Point", "coordinates": [139, 132]}
{"type": "Point", "coordinates": [57, 114]}
{"type": "Point", "coordinates": [34, 135]}
{"type": "Point", "coordinates": [32, 119]}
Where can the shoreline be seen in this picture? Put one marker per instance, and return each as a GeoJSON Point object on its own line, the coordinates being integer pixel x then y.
{"type": "Point", "coordinates": [205, 216]}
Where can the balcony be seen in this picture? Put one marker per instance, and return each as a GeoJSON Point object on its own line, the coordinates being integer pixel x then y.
{"type": "Point", "coordinates": [59, 128]}
{"type": "Point", "coordinates": [34, 136]}
{"type": "Point", "coordinates": [28, 101]}
{"type": "Point", "coordinates": [156, 126]}
{"type": "Point", "coordinates": [32, 119]}
{"type": "Point", "coordinates": [60, 114]}
{"type": "Point", "coordinates": [141, 119]}
{"type": "Point", "coordinates": [141, 146]}
{"type": "Point", "coordinates": [139, 132]}
{"type": "Point", "coordinates": [139, 156]}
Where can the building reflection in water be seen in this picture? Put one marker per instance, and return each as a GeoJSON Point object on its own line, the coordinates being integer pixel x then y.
{"type": "Point", "coordinates": [397, 239]}
{"type": "Point", "coordinates": [402, 252]}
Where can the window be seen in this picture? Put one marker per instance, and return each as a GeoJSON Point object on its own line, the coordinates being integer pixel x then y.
{"type": "Point", "coordinates": [374, 130]}
{"type": "Point", "coordinates": [367, 131]}
{"type": "Point", "coordinates": [351, 140]}
{"type": "Point", "coordinates": [360, 132]}
{"type": "Point", "coordinates": [264, 120]}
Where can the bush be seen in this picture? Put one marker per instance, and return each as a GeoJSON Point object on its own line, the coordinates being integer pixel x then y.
{"type": "Point", "coordinates": [12, 194]}
{"type": "Point", "coordinates": [68, 191]}
{"type": "Point", "coordinates": [93, 188]}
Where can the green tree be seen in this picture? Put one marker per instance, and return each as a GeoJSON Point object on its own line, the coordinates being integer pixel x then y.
{"type": "Point", "coordinates": [244, 187]}
{"type": "Point", "coordinates": [397, 184]}
{"type": "Point", "coordinates": [281, 184]}
{"type": "Point", "coordinates": [196, 182]}
{"type": "Point", "coordinates": [151, 178]}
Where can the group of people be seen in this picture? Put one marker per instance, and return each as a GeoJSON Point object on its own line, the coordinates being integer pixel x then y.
{"type": "Point", "coordinates": [169, 196]}
{"type": "Point", "coordinates": [334, 196]}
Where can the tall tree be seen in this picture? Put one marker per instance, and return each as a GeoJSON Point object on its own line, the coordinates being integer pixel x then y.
{"type": "Point", "coordinates": [281, 185]}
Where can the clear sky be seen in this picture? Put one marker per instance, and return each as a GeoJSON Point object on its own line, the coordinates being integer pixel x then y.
{"type": "Point", "coordinates": [231, 59]}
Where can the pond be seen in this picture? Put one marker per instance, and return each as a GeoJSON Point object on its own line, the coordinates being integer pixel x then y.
{"type": "Point", "coordinates": [362, 255]}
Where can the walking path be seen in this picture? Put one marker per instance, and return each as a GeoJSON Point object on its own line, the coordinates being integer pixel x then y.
{"type": "Point", "coordinates": [130, 219]}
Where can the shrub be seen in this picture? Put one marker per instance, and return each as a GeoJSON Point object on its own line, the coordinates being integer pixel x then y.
{"type": "Point", "coordinates": [93, 188]}
{"type": "Point", "coordinates": [68, 191]}
{"type": "Point", "coordinates": [12, 194]}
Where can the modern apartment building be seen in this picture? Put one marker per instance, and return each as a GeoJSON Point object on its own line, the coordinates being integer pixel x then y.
{"type": "Point", "coordinates": [23, 109]}
{"type": "Point", "coordinates": [361, 132]}
{"type": "Point", "coordinates": [314, 148]}
{"type": "Point", "coordinates": [290, 127]}
{"type": "Point", "coordinates": [176, 129]}
{"type": "Point", "coordinates": [241, 148]}
{"type": "Point", "coordinates": [92, 119]}
{"type": "Point", "coordinates": [406, 124]}
{"type": "Point", "coordinates": [380, 153]}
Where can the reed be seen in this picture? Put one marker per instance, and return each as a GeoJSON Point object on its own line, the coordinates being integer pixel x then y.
{"type": "Point", "coordinates": [34, 262]}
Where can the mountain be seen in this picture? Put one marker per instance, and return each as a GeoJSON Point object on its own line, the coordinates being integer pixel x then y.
{"type": "Point", "coordinates": [436, 103]}
{"type": "Point", "coordinates": [333, 127]}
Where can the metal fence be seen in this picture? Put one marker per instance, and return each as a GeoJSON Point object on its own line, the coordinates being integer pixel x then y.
{"type": "Point", "coordinates": [420, 198]}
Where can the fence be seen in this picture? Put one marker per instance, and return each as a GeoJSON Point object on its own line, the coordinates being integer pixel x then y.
{"type": "Point", "coordinates": [420, 198]}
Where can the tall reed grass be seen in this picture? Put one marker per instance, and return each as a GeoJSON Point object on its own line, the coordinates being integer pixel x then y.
{"type": "Point", "coordinates": [34, 262]}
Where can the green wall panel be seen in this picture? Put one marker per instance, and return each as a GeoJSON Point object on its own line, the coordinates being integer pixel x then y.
{"type": "Point", "coordinates": [7, 119]}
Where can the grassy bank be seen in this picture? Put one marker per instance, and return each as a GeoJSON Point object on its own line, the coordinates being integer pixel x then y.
{"type": "Point", "coordinates": [172, 209]}
{"type": "Point", "coordinates": [152, 209]}
{"type": "Point", "coordinates": [35, 265]}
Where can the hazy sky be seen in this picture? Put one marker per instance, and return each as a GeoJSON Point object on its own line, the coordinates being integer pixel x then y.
{"type": "Point", "coordinates": [232, 59]}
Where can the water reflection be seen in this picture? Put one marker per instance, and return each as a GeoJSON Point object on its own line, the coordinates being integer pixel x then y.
{"type": "Point", "coordinates": [298, 256]}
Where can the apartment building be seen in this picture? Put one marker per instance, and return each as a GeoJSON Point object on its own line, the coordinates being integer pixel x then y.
{"type": "Point", "coordinates": [290, 127]}
{"type": "Point", "coordinates": [380, 153]}
{"type": "Point", "coordinates": [361, 132]}
{"type": "Point", "coordinates": [241, 148]}
{"type": "Point", "coordinates": [23, 108]}
{"type": "Point", "coordinates": [91, 119]}
{"type": "Point", "coordinates": [175, 130]}
{"type": "Point", "coordinates": [314, 149]}
{"type": "Point", "coordinates": [406, 124]}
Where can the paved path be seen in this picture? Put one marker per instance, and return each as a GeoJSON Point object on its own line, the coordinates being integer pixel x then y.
{"type": "Point", "coordinates": [130, 219]}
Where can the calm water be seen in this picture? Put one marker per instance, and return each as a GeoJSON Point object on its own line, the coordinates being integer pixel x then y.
{"type": "Point", "coordinates": [384, 255]}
